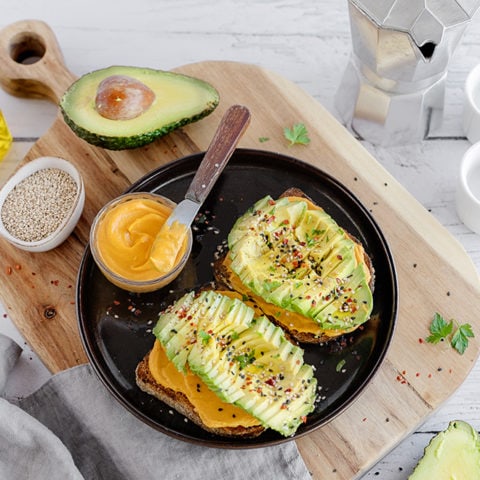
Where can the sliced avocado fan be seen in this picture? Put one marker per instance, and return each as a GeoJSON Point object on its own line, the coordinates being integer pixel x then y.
{"type": "Point", "coordinates": [246, 361]}
{"type": "Point", "coordinates": [300, 260]}
{"type": "Point", "coordinates": [122, 107]}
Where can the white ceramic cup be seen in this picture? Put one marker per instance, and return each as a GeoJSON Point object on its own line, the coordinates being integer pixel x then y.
{"type": "Point", "coordinates": [468, 189]}
{"type": "Point", "coordinates": [471, 109]}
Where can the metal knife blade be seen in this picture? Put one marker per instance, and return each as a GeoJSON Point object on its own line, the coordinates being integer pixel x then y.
{"type": "Point", "coordinates": [232, 126]}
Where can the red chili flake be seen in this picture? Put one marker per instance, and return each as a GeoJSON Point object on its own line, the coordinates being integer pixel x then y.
{"type": "Point", "coordinates": [420, 340]}
{"type": "Point", "coordinates": [4, 315]}
{"type": "Point", "coordinates": [417, 374]}
{"type": "Point", "coordinates": [8, 270]}
{"type": "Point", "coordinates": [271, 381]}
{"type": "Point", "coordinates": [404, 372]}
{"type": "Point", "coordinates": [55, 282]}
{"type": "Point", "coordinates": [18, 267]}
{"type": "Point", "coordinates": [339, 257]}
{"type": "Point", "coordinates": [304, 418]}
{"type": "Point", "coordinates": [283, 407]}
{"type": "Point", "coordinates": [116, 302]}
{"type": "Point", "coordinates": [429, 375]}
{"type": "Point", "coordinates": [271, 202]}
{"type": "Point", "coordinates": [286, 221]}
{"type": "Point", "coordinates": [364, 419]}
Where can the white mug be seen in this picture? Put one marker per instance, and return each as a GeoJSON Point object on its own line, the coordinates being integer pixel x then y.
{"type": "Point", "coordinates": [468, 189]}
{"type": "Point", "coordinates": [471, 110]}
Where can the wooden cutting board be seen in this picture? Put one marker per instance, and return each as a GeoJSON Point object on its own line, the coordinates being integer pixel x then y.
{"type": "Point", "coordinates": [434, 272]}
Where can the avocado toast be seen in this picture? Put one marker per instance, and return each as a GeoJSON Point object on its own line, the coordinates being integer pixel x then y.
{"type": "Point", "coordinates": [304, 271]}
{"type": "Point", "coordinates": [244, 361]}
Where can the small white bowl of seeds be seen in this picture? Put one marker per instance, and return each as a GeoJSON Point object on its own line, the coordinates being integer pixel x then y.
{"type": "Point", "coordinates": [41, 204]}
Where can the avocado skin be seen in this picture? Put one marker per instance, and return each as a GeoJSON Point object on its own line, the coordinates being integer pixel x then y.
{"type": "Point", "coordinates": [153, 130]}
{"type": "Point", "coordinates": [453, 453]}
{"type": "Point", "coordinates": [134, 141]}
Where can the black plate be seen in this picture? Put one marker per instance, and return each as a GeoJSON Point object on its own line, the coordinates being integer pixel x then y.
{"type": "Point", "coordinates": [115, 325]}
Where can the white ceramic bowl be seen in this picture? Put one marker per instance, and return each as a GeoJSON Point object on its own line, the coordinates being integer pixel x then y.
{"type": "Point", "coordinates": [468, 189]}
{"type": "Point", "coordinates": [68, 223]}
{"type": "Point", "coordinates": [471, 110]}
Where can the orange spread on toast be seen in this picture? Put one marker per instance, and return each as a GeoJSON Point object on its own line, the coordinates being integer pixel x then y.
{"type": "Point", "coordinates": [212, 410]}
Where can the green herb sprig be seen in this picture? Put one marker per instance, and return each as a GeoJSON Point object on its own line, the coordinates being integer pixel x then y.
{"type": "Point", "coordinates": [204, 336]}
{"type": "Point", "coordinates": [298, 134]}
{"type": "Point", "coordinates": [457, 335]}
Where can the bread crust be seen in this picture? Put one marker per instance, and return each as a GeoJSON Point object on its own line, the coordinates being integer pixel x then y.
{"type": "Point", "coordinates": [222, 279]}
{"type": "Point", "coordinates": [181, 403]}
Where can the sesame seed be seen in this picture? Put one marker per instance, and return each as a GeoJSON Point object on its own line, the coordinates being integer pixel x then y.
{"type": "Point", "coordinates": [39, 204]}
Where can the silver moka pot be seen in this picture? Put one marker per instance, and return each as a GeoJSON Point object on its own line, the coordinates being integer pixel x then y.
{"type": "Point", "coordinates": [396, 73]}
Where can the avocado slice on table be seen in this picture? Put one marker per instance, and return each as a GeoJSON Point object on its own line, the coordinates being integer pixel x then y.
{"type": "Point", "coordinates": [451, 454]}
{"type": "Point", "coordinates": [122, 107]}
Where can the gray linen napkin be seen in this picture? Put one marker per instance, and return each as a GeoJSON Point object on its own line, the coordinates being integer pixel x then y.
{"type": "Point", "coordinates": [72, 428]}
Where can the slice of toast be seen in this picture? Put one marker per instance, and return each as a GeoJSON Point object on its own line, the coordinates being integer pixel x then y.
{"type": "Point", "coordinates": [180, 402]}
{"type": "Point", "coordinates": [223, 278]}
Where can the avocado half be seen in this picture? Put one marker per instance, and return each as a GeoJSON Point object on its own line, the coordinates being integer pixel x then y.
{"type": "Point", "coordinates": [451, 454]}
{"type": "Point", "coordinates": [178, 100]}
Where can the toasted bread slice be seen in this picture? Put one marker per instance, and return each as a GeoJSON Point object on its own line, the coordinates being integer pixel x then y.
{"type": "Point", "coordinates": [180, 402]}
{"type": "Point", "coordinates": [226, 278]}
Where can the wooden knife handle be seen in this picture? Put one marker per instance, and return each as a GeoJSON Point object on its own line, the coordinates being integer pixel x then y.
{"type": "Point", "coordinates": [31, 61]}
{"type": "Point", "coordinates": [232, 126]}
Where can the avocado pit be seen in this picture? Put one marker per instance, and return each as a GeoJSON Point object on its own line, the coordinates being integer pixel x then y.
{"type": "Point", "coordinates": [120, 97]}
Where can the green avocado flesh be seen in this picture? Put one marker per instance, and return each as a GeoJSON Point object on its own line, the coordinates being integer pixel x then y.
{"type": "Point", "coordinates": [451, 454]}
{"type": "Point", "coordinates": [247, 361]}
{"type": "Point", "coordinates": [179, 100]}
{"type": "Point", "coordinates": [299, 259]}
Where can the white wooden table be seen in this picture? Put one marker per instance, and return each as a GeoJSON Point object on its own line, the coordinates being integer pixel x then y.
{"type": "Point", "coordinates": [306, 42]}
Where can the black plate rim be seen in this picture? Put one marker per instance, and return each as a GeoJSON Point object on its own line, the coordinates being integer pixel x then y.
{"type": "Point", "coordinates": [232, 443]}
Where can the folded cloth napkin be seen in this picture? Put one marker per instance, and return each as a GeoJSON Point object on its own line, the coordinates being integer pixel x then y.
{"type": "Point", "coordinates": [72, 428]}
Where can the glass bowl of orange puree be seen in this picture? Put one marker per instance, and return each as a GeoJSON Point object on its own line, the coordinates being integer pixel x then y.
{"type": "Point", "coordinates": [122, 240]}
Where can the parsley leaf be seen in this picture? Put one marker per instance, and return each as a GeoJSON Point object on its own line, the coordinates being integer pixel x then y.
{"type": "Point", "coordinates": [439, 329]}
{"type": "Point", "coordinates": [245, 359]}
{"type": "Point", "coordinates": [204, 336]}
{"type": "Point", "coordinates": [297, 134]}
{"type": "Point", "coordinates": [460, 338]}
{"type": "Point", "coordinates": [340, 365]}
{"type": "Point", "coordinates": [263, 139]}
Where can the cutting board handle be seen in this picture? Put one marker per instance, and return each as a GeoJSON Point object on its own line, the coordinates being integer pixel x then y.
{"type": "Point", "coordinates": [31, 62]}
